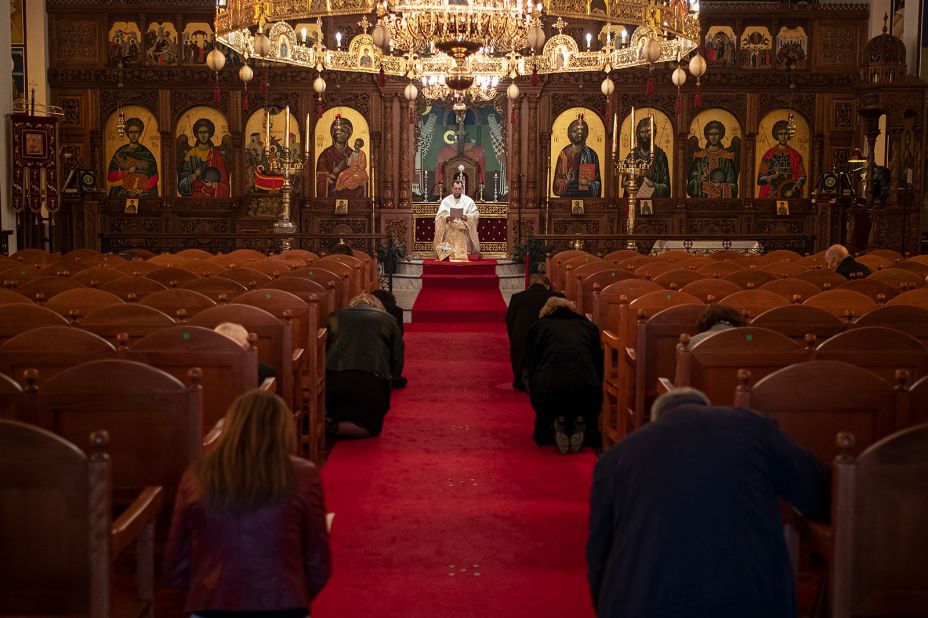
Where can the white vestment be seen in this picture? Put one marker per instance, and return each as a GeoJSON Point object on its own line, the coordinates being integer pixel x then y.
{"type": "Point", "coordinates": [456, 238]}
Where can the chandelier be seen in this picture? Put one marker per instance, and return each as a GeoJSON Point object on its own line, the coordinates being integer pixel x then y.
{"type": "Point", "coordinates": [462, 49]}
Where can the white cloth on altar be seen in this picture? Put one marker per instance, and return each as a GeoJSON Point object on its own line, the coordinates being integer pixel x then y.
{"type": "Point", "coordinates": [456, 239]}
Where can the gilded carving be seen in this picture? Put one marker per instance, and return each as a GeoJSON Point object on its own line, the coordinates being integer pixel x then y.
{"type": "Point", "coordinates": [76, 41]}
{"type": "Point", "coordinates": [838, 47]}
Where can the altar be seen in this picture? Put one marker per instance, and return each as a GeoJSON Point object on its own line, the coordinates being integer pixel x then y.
{"type": "Point", "coordinates": [492, 229]}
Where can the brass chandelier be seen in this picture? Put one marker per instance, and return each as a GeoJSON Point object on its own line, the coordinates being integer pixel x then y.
{"type": "Point", "coordinates": [463, 49]}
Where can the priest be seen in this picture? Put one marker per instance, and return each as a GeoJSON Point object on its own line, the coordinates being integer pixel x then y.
{"type": "Point", "coordinates": [456, 226]}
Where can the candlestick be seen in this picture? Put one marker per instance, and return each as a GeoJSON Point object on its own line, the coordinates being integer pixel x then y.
{"type": "Point", "coordinates": [267, 130]}
{"type": "Point", "coordinates": [307, 134]}
{"type": "Point", "coordinates": [287, 132]}
{"type": "Point", "coordinates": [634, 139]}
{"type": "Point", "coordinates": [651, 116]}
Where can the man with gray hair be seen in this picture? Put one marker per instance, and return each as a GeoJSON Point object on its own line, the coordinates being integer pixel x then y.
{"type": "Point", "coordinates": [685, 519]}
{"type": "Point", "coordinates": [522, 313]}
{"type": "Point", "coordinates": [839, 259]}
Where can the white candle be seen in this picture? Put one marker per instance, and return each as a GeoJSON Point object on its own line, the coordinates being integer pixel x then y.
{"type": "Point", "coordinates": [307, 134]}
{"type": "Point", "coordinates": [651, 116]}
{"type": "Point", "coordinates": [634, 139]}
{"type": "Point", "coordinates": [615, 130]}
{"type": "Point", "coordinates": [267, 129]}
{"type": "Point", "coordinates": [287, 131]}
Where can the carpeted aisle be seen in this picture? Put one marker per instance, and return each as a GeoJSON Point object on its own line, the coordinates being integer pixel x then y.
{"type": "Point", "coordinates": [454, 512]}
{"type": "Point", "coordinates": [467, 291]}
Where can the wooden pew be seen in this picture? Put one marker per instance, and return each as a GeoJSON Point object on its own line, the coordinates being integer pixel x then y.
{"type": "Point", "coordinates": [155, 422]}
{"type": "Point", "coordinates": [824, 279]}
{"type": "Point", "coordinates": [47, 287]}
{"type": "Point", "coordinates": [718, 269]}
{"type": "Point", "coordinates": [591, 282]}
{"type": "Point", "coordinates": [203, 268]}
{"type": "Point", "coordinates": [132, 288]}
{"type": "Point", "coordinates": [8, 297]}
{"type": "Point", "coordinates": [750, 278]}
{"type": "Point", "coordinates": [337, 283]}
{"type": "Point", "coordinates": [712, 364]}
{"type": "Point", "coordinates": [137, 268]}
{"type": "Point", "coordinates": [710, 290]}
{"type": "Point", "coordinates": [131, 320]}
{"type": "Point", "coordinates": [311, 292]}
{"type": "Point", "coordinates": [356, 266]}
{"type": "Point", "coordinates": [218, 288]}
{"type": "Point", "coordinates": [248, 277]}
{"type": "Point", "coordinates": [879, 507]}
{"type": "Point", "coordinates": [899, 279]}
{"type": "Point", "coordinates": [678, 278]}
{"type": "Point", "coordinates": [175, 300]}
{"type": "Point", "coordinates": [17, 318]}
{"type": "Point", "coordinates": [58, 537]}
{"type": "Point", "coordinates": [169, 260]}
{"type": "Point", "coordinates": [909, 319]}
{"type": "Point", "coordinates": [97, 276]}
{"type": "Point", "coordinates": [790, 288]}
{"type": "Point", "coordinates": [171, 276]}
{"type": "Point", "coordinates": [554, 262]}
{"type": "Point", "coordinates": [752, 303]}
{"type": "Point", "coordinates": [51, 350]}
{"type": "Point", "coordinates": [654, 269]}
{"type": "Point", "coordinates": [226, 369]}
{"type": "Point", "coordinates": [194, 254]}
{"type": "Point", "coordinates": [877, 290]}
{"type": "Point", "coordinates": [879, 349]}
{"type": "Point", "coordinates": [845, 304]}
{"type": "Point", "coordinates": [783, 269]}
{"type": "Point", "coordinates": [606, 302]}
{"type": "Point", "coordinates": [797, 321]}
{"type": "Point", "coordinates": [916, 298]}
{"type": "Point", "coordinates": [74, 304]}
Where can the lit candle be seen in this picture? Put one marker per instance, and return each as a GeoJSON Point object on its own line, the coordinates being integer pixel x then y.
{"type": "Point", "coordinates": [651, 116]}
{"type": "Point", "coordinates": [267, 130]}
{"type": "Point", "coordinates": [307, 134]}
{"type": "Point", "coordinates": [589, 39]}
{"type": "Point", "coordinates": [287, 132]}
{"type": "Point", "coordinates": [634, 139]}
{"type": "Point", "coordinates": [615, 132]}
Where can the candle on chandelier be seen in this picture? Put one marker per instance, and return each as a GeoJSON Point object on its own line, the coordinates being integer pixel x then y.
{"type": "Point", "coordinates": [634, 139]}
{"type": "Point", "coordinates": [267, 130]}
{"type": "Point", "coordinates": [615, 132]}
{"type": "Point", "coordinates": [287, 132]}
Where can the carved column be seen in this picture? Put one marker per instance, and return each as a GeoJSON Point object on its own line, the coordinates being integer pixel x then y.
{"type": "Point", "coordinates": [387, 167]}
{"type": "Point", "coordinates": [544, 148]}
{"type": "Point", "coordinates": [404, 153]}
{"type": "Point", "coordinates": [378, 170]}
{"type": "Point", "coordinates": [514, 165]}
{"type": "Point", "coordinates": [531, 198]}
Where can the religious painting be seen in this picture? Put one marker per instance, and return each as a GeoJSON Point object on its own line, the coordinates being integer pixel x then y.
{"type": "Point", "coordinates": [343, 141]}
{"type": "Point", "coordinates": [474, 137]}
{"type": "Point", "coordinates": [756, 46]}
{"type": "Point", "coordinates": [782, 153]}
{"type": "Point", "coordinates": [34, 144]}
{"type": "Point", "coordinates": [196, 42]}
{"type": "Point", "coordinates": [578, 152]}
{"type": "Point", "coordinates": [125, 43]}
{"type": "Point", "coordinates": [713, 155]}
{"type": "Point", "coordinates": [19, 72]}
{"type": "Point", "coordinates": [792, 48]}
{"type": "Point", "coordinates": [720, 46]}
{"type": "Point", "coordinates": [657, 182]}
{"type": "Point", "coordinates": [203, 150]}
{"type": "Point", "coordinates": [17, 23]}
{"type": "Point", "coordinates": [161, 43]}
{"type": "Point", "coordinates": [134, 154]}
{"type": "Point", "coordinates": [645, 207]}
{"type": "Point", "coordinates": [597, 7]}
{"type": "Point", "coordinates": [265, 145]}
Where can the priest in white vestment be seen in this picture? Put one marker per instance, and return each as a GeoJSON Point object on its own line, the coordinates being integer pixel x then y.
{"type": "Point", "coordinates": [454, 237]}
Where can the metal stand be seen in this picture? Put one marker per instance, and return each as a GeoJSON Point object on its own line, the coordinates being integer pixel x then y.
{"type": "Point", "coordinates": [632, 168]}
{"type": "Point", "coordinates": [284, 226]}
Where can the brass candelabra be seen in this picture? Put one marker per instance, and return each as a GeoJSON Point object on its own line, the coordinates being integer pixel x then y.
{"type": "Point", "coordinates": [632, 168]}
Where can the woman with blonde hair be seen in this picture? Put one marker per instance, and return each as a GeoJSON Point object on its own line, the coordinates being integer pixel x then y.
{"type": "Point", "coordinates": [248, 535]}
{"type": "Point", "coordinates": [364, 352]}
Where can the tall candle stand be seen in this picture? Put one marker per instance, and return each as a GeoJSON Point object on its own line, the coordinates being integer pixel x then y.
{"type": "Point", "coordinates": [632, 168]}
{"type": "Point", "coordinates": [287, 165]}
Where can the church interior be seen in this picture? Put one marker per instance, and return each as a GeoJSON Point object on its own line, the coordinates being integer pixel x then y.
{"type": "Point", "coordinates": [172, 166]}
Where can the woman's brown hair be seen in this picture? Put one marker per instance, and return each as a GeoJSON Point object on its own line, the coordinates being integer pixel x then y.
{"type": "Point", "coordinates": [250, 466]}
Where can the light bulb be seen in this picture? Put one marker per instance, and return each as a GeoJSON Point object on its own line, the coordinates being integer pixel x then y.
{"type": "Point", "coordinates": [589, 39]}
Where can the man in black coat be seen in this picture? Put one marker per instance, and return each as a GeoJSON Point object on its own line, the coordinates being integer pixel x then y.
{"type": "Point", "coordinates": [522, 313]}
{"type": "Point", "coordinates": [685, 517]}
{"type": "Point", "coordinates": [839, 259]}
{"type": "Point", "coordinates": [564, 362]}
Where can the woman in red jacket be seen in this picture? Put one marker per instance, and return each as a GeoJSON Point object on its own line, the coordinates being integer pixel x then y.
{"type": "Point", "coordinates": [248, 536]}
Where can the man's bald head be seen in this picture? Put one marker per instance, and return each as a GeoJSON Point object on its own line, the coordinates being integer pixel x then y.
{"type": "Point", "coordinates": [834, 255]}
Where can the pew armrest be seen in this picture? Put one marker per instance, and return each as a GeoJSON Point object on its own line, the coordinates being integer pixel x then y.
{"type": "Point", "coordinates": [142, 512]}
{"type": "Point", "coordinates": [664, 385]}
{"type": "Point", "coordinates": [212, 436]}
{"type": "Point", "coordinates": [631, 356]}
{"type": "Point", "coordinates": [269, 385]}
{"type": "Point", "coordinates": [297, 358]}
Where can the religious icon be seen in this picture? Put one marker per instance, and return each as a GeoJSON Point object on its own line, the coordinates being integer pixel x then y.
{"type": "Point", "coordinates": [720, 46]}
{"type": "Point", "coordinates": [133, 167]}
{"type": "Point", "coordinates": [713, 167]}
{"type": "Point", "coordinates": [265, 144]}
{"type": "Point", "coordinates": [341, 167]}
{"type": "Point", "coordinates": [792, 48]}
{"type": "Point", "coordinates": [447, 138]}
{"type": "Point", "coordinates": [782, 207]}
{"type": "Point", "coordinates": [781, 171]}
{"type": "Point", "coordinates": [125, 40]}
{"type": "Point", "coordinates": [576, 164]}
{"type": "Point", "coordinates": [161, 43]}
{"type": "Point", "coordinates": [576, 207]}
{"type": "Point", "coordinates": [657, 181]}
{"type": "Point", "coordinates": [34, 144]}
{"type": "Point", "coordinates": [202, 168]}
{"type": "Point", "coordinates": [756, 47]}
{"type": "Point", "coordinates": [197, 42]}
{"type": "Point", "coordinates": [646, 207]}
{"type": "Point", "coordinates": [132, 206]}
{"type": "Point", "coordinates": [341, 207]}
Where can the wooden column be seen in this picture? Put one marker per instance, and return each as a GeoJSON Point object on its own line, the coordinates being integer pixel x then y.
{"type": "Point", "coordinates": [514, 165]}
{"type": "Point", "coordinates": [531, 198]}
{"type": "Point", "coordinates": [387, 167]}
{"type": "Point", "coordinates": [404, 153]}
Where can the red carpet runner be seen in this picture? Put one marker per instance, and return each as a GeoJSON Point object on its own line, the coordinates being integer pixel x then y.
{"type": "Point", "coordinates": [454, 512]}
{"type": "Point", "coordinates": [466, 292]}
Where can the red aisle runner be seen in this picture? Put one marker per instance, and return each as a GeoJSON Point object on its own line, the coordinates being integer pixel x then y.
{"type": "Point", "coordinates": [454, 512]}
{"type": "Point", "coordinates": [453, 292]}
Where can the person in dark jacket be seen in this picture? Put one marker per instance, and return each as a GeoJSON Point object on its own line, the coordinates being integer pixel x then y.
{"type": "Point", "coordinates": [522, 313]}
{"type": "Point", "coordinates": [364, 351]}
{"type": "Point", "coordinates": [390, 306]}
{"type": "Point", "coordinates": [564, 361]}
{"type": "Point", "coordinates": [248, 535]}
{"type": "Point", "coordinates": [838, 259]}
{"type": "Point", "coordinates": [685, 517]}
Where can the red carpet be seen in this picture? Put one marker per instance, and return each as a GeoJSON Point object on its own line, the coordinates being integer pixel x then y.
{"type": "Point", "coordinates": [454, 512]}
{"type": "Point", "coordinates": [454, 292]}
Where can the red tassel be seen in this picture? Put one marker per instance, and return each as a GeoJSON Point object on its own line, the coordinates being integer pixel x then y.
{"type": "Point", "coordinates": [381, 78]}
{"type": "Point", "coordinates": [534, 75]}
{"type": "Point", "coordinates": [217, 96]}
{"type": "Point", "coordinates": [697, 100]}
{"type": "Point", "coordinates": [649, 90]}
{"type": "Point", "coordinates": [678, 107]}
